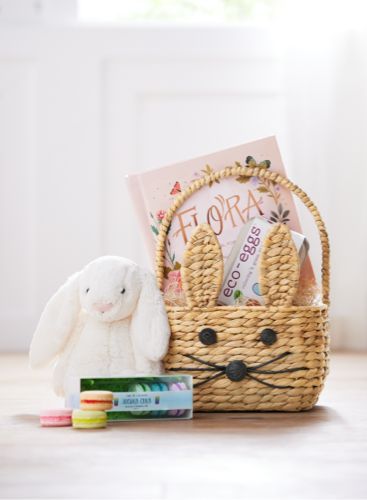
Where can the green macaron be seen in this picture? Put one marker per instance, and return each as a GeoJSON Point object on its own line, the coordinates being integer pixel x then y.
{"type": "Point", "coordinates": [89, 419]}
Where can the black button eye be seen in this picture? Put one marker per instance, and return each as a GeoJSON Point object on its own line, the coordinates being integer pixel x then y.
{"type": "Point", "coordinates": [87, 290]}
{"type": "Point", "coordinates": [208, 336]}
{"type": "Point", "coordinates": [123, 290]}
{"type": "Point", "coordinates": [268, 336]}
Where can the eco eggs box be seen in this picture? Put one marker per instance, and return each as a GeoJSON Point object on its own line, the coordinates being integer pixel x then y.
{"type": "Point", "coordinates": [241, 270]}
{"type": "Point", "coordinates": [168, 397]}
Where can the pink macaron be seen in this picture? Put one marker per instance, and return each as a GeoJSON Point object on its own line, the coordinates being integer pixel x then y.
{"type": "Point", "coordinates": [56, 418]}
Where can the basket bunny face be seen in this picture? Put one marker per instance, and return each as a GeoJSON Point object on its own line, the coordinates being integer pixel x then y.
{"type": "Point", "coordinates": [272, 357]}
{"type": "Point", "coordinates": [250, 352]}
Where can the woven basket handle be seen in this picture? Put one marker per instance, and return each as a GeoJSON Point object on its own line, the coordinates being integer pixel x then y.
{"type": "Point", "coordinates": [248, 172]}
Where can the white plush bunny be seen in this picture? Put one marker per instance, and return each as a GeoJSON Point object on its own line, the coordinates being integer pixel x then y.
{"type": "Point", "coordinates": [106, 320]}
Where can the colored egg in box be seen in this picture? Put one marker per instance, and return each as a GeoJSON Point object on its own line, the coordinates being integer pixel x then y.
{"type": "Point", "coordinates": [157, 387]}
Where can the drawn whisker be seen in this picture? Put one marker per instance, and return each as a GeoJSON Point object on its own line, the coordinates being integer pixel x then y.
{"type": "Point", "coordinates": [280, 356]}
{"type": "Point", "coordinates": [204, 381]}
{"type": "Point", "coordinates": [274, 372]}
{"type": "Point", "coordinates": [192, 369]}
{"type": "Point", "coordinates": [194, 358]}
{"type": "Point", "coordinates": [268, 384]}
{"type": "Point", "coordinates": [250, 372]}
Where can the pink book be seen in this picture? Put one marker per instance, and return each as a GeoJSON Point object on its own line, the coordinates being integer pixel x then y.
{"type": "Point", "coordinates": [226, 205]}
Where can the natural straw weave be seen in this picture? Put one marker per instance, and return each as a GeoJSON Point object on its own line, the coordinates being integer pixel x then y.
{"type": "Point", "coordinates": [202, 279]}
{"type": "Point", "coordinates": [297, 361]}
{"type": "Point", "coordinates": [279, 268]}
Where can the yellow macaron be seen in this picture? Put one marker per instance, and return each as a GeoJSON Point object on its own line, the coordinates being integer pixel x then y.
{"type": "Point", "coordinates": [89, 419]}
{"type": "Point", "coordinates": [96, 400]}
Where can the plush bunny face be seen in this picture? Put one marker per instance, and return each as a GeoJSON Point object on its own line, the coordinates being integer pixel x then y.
{"type": "Point", "coordinates": [109, 288]}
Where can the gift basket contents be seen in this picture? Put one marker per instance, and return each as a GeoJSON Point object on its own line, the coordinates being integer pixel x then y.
{"type": "Point", "coordinates": [242, 332]}
{"type": "Point", "coordinates": [232, 319]}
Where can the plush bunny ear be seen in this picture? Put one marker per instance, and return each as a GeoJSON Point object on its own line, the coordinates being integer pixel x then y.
{"type": "Point", "coordinates": [150, 329]}
{"type": "Point", "coordinates": [202, 268]}
{"type": "Point", "coordinates": [56, 323]}
{"type": "Point", "coordinates": [279, 267]}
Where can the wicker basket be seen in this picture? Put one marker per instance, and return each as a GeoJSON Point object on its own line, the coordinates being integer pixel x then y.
{"type": "Point", "coordinates": [248, 358]}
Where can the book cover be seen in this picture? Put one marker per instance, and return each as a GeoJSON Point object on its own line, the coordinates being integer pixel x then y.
{"type": "Point", "coordinates": [226, 204]}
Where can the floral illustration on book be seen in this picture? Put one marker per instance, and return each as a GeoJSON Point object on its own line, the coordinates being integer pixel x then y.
{"type": "Point", "coordinates": [223, 213]}
{"type": "Point", "coordinates": [207, 171]}
{"type": "Point", "coordinates": [267, 187]}
{"type": "Point", "coordinates": [172, 274]}
{"type": "Point", "coordinates": [280, 215]}
{"type": "Point", "coordinates": [170, 256]}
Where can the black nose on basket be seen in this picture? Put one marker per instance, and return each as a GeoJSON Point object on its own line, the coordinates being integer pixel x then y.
{"type": "Point", "coordinates": [236, 371]}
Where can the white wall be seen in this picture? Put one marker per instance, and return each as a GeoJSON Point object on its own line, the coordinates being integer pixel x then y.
{"type": "Point", "coordinates": [80, 107]}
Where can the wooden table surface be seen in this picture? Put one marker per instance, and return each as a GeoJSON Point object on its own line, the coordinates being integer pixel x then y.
{"type": "Point", "coordinates": [321, 454]}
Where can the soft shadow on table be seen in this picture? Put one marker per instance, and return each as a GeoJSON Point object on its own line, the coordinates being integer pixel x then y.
{"type": "Point", "coordinates": [279, 421]}
{"type": "Point", "coordinates": [243, 422]}
{"type": "Point", "coordinates": [218, 422]}
{"type": "Point", "coordinates": [20, 419]}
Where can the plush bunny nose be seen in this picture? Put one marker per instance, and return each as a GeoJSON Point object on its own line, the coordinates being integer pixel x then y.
{"type": "Point", "coordinates": [102, 308]}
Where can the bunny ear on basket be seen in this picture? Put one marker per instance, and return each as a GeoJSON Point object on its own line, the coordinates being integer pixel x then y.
{"type": "Point", "coordinates": [202, 268]}
{"type": "Point", "coordinates": [279, 267]}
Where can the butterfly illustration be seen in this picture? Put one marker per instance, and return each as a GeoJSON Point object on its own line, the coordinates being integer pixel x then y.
{"type": "Point", "coordinates": [176, 188]}
{"type": "Point", "coordinates": [251, 162]}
